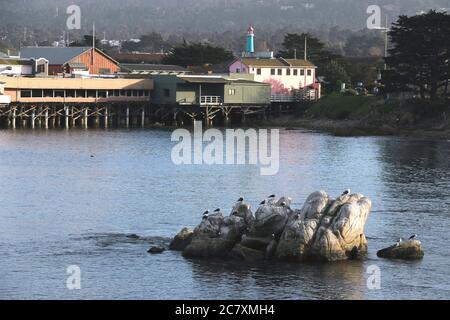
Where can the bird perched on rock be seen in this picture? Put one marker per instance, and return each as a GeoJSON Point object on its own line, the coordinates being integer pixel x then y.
{"type": "Point", "coordinates": [346, 192]}
{"type": "Point", "coordinates": [217, 210]}
{"type": "Point", "coordinates": [283, 204]}
{"type": "Point", "coordinates": [240, 199]}
{"type": "Point", "coordinates": [234, 213]}
{"type": "Point", "coordinates": [262, 203]}
{"type": "Point", "coordinates": [398, 242]}
{"type": "Point", "coordinates": [272, 196]}
{"type": "Point", "coordinates": [206, 213]}
{"type": "Point", "coordinates": [412, 237]}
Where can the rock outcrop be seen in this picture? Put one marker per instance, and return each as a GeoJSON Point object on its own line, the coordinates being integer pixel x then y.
{"type": "Point", "coordinates": [406, 250]}
{"type": "Point", "coordinates": [323, 229]}
{"type": "Point", "coordinates": [182, 240]}
{"type": "Point", "coordinates": [326, 229]}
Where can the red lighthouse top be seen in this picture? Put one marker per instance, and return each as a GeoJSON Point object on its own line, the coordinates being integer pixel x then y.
{"type": "Point", "coordinates": [250, 30]}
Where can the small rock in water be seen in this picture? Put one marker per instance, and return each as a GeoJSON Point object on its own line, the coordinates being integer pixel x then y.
{"type": "Point", "coordinates": [155, 250]}
{"type": "Point", "coordinates": [406, 250]}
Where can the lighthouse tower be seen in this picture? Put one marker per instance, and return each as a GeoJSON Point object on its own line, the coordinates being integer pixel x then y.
{"type": "Point", "coordinates": [250, 41]}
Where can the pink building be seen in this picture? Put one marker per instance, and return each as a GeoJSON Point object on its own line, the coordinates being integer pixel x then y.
{"type": "Point", "coordinates": [289, 77]}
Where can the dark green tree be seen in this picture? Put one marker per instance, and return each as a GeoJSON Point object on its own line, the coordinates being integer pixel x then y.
{"type": "Point", "coordinates": [86, 42]}
{"type": "Point", "coordinates": [196, 54]}
{"type": "Point", "coordinates": [294, 45]}
{"type": "Point", "coordinates": [152, 42]}
{"type": "Point", "coordinates": [334, 74]}
{"type": "Point", "coordinates": [419, 60]}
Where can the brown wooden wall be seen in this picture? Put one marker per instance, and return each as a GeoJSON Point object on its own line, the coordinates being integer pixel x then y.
{"type": "Point", "coordinates": [100, 62]}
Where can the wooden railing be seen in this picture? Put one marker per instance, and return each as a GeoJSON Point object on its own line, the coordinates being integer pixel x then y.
{"type": "Point", "coordinates": [210, 100]}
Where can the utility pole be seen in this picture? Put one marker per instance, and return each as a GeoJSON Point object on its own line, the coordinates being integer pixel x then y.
{"type": "Point", "coordinates": [306, 46]}
{"type": "Point", "coordinates": [386, 30]}
{"type": "Point", "coordinates": [93, 44]}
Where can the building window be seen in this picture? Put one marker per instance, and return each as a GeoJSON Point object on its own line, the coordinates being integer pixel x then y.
{"type": "Point", "coordinates": [238, 70]}
{"type": "Point", "coordinates": [167, 93]}
{"type": "Point", "coordinates": [302, 72]}
{"type": "Point", "coordinates": [280, 72]}
{"type": "Point", "coordinates": [146, 93]}
{"type": "Point", "coordinates": [272, 72]}
{"type": "Point", "coordinates": [80, 93]}
{"type": "Point", "coordinates": [232, 92]}
{"type": "Point", "coordinates": [48, 93]}
{"type": "Point", "coordinates": [37, 93]}
{"type": "Point", "coordinates": [258, 71]}
{"type": "Point", "coordinates": [129, 93]}
{"type": "Point", "coordinates": [104, 71]}
{"type": "Point", "coordinates": [25, 93]}
{"type": "Point", "coordinates": [295, 72]}
{"type": "Point", "coordinates": [288, 72]}
{"type": "Point", "coordinates": [70, 93]}
{"type": "Point", "coordinates": [91, 93]}
{"type": "Point", "coordinates": [309, 72]}
{"type": "Point", "coordinates": [59, 94]}
{"type": "Point", "coordinates": [102, 94]}
{"type": "Point", "coordinates": [41, 68]}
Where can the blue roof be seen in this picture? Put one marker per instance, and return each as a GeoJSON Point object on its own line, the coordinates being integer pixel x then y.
{"type": "Point", "coordinates": [54, 55]}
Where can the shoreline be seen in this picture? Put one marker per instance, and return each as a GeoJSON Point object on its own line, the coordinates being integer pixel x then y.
{"type": "Point", "coordinates": [353, 128]}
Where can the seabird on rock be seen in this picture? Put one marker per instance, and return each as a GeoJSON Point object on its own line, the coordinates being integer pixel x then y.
{"type": "Point", "coordinates": [217, 210]}
{"type": "Point", "coordinates": [398, 242]}
{"type": "Point", "coordinates": [206, 212]}
{"type": "Point", "coordinates": [234, 213]}
{"type": "Point", "coordinates": [283, 204]}
{"type": "Point", "coordinates": [272, 196]}
{"type": "Point", "coordinates": [346, 192]}
{"type": "Point", "coordinates": [240, 199]}
{"type": "Point", "coordinates": [262, 203]}
{"type": "Point", "coordinates": [412, 237]}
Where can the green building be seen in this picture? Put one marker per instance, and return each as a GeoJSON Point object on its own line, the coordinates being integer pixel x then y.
{"type": "Point", "coordinates": [209, 91]}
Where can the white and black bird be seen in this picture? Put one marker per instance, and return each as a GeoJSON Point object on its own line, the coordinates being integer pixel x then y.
{"type": "Point", "coordinates": [272, 196]}
{"type": "Point", "coordinates": [283, 204]}
{"type": "Point", "coordinates": [206, 213]}
{"type": "Point", "coordinates": [240, 199]}
{"type": "Point", "coordinates": [262, 203]}
{"type": "Point", "coordinates": [346, 192]}
{"type": "Point", "coordinates": [398, 242]}
{"type": "Point", "coordinates": [217, 210]}
{"type": "Point", "coordinates": [412, 237]}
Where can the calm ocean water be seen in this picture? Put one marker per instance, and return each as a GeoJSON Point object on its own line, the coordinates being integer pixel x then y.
{"type": "Point", "coordinates": [59, 206]}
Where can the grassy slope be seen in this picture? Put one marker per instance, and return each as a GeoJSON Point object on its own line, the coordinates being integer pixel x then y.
{"type": "Point", "coordinates": [336, 106]}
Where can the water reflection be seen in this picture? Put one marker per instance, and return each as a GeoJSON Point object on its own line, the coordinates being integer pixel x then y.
{"type": "Point", "coordinates": [61, 206]}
